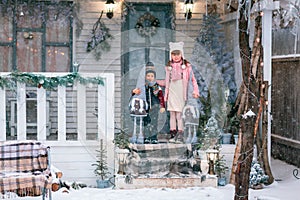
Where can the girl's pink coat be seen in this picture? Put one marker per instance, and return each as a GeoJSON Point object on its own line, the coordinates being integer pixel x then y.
{"type": "Point", "coordinates": [186, 74]}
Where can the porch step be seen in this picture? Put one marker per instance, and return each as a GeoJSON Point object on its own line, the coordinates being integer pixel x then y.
{"type": "Point", "coordinates": [163, 165]}
{"type": "Point", "coordinates": [125, 182]}
{"type": "Point", "coordinates": [156, 158]}
{"type": "Point", "coordinates": [163, 150]}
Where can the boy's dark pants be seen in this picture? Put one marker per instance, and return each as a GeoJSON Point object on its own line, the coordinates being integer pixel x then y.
{"type": "Point", "coordinates": [150, 122]}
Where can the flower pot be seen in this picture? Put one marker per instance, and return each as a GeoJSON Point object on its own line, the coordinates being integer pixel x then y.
{"type": "Point", "coordinates": [221, 181]}
{"type": "Point", "coordinates": [102, 183]}
{"type": "Point", "coordinates": [236, 139]}
{"type": "Point", "coordinates": [226, 138]}
{"type": "Point", "coordinates": [201, 154]}
{"type": "Point", "coordinates": [257, 187]}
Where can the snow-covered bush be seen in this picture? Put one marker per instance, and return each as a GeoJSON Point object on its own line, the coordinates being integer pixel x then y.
{"type": "Point", "coordinates": [257, 175]}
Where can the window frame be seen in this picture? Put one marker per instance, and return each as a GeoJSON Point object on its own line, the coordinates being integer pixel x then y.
{"type": "Point", "coordinates": [15, 30]}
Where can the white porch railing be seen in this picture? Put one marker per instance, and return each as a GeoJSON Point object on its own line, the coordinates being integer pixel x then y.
{"type": "Point", "coordinates": [65, 158]}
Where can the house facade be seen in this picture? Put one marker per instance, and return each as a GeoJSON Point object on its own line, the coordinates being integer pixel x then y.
{"type": "Point", "coordinates": [61, 39]}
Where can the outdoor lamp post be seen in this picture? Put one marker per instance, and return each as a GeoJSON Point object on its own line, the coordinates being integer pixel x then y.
{"type": "Point", "coordinates": [188, 8]}
{"type": "Point", "coordinates": [211, 155]}
{"type": "Point", "coordinates": [122, 156]}
{"type": "Point", "coordinates": [109, 6]}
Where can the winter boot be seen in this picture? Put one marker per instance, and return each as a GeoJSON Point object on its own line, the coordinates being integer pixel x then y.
{"type": "Point", "coordinates": [154, 139]}
{"type": "Point", "coordinates": [147, 141]}
{"type": "Point", "coordinates": [172, 136]}
{"type": "Point", "coordinates": [179, 139]}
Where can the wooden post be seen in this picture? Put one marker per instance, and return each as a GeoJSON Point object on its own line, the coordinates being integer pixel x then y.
{"type": "Point", "coordinates": [2, 115]}
{"type": "Point", "coordinates": [61, 113]}
{"type": "Point", "coordinates": [81, 111]}
{"type": "Point", "coordinates": [41, 114]}
{"type": "Point", "coordinates": [21, 111]}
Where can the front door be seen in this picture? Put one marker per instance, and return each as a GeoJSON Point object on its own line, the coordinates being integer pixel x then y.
{"type": "Point", "coordinates": [147, 43]}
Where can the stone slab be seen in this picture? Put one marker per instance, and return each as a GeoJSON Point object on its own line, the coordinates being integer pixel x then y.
{"type": "Point", "coordinates": [123, 182]}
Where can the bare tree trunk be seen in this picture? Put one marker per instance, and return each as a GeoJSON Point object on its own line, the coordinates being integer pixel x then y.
{"type": "Point", "coordinates": [252, 96]}
{"type": "Point", "coordinates": [252, 76]}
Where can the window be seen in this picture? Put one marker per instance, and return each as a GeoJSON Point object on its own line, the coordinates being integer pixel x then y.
{"type": "Point", "coordinates": [36, 37]}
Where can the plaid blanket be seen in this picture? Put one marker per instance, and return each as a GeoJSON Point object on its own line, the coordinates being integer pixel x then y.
{"type": "Point", "coordinates": [24, 166]}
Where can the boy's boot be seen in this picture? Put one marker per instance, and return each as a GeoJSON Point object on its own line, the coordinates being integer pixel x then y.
{"type": "Point", "coordinates": [154, 139]}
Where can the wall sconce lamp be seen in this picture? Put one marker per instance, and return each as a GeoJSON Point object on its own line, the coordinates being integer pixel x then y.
{"type": "Point", "coordinates": [109, 7]}
{"type": "Point", "coordinates": [188, 8]}
{"type": "Point", "coordinates": [211, 155]}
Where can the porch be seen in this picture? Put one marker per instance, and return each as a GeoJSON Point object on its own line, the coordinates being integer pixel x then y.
{"type": "Point", "coordinates": [71, 118]}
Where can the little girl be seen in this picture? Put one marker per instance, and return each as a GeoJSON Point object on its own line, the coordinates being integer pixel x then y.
{"type": "Point", "coordinates": [178, 72]}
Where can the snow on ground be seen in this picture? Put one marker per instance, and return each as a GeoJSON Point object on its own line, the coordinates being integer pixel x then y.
{"type": "Point", "coordinates": [286, 187]}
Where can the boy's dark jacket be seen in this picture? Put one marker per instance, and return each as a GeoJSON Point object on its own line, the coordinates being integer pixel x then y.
{"type": "Point", "coordinates": [154, 95]}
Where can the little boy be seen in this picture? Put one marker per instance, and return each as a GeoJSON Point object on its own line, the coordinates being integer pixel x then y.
{"type": "Point", "coordinates": [155, 100]}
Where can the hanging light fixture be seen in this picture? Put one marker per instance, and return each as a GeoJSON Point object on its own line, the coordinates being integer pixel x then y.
{"type": "Point", "coordinates": [109, 6]}
{"type": "Point", "coordinates": [188, 8]}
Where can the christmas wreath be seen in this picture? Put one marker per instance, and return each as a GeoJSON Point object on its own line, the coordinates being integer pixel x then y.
{"type": "Point", "coordinates": [146, 25]}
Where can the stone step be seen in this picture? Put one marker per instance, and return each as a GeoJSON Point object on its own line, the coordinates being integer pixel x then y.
{"type": "Point", "coordinates": [164, 150]}
{"type": "Point", "coordinates": [129, 182]}
{"type": "Point", "coordinates": [159, 158]}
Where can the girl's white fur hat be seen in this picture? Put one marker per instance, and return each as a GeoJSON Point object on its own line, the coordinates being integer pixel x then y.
{"type": "Point", "coordinates": [176, 46]}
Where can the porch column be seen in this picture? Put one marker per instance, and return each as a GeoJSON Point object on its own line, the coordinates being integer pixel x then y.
{"type": "Point", "coordinates": [21, 111]}
{"type": "Point", "coordinates": [106, 116]}
{"type": "Point", "coordinates": [61, 113]}
{"type": "Point", "coordinates": [268, 7]}
{"type": "Point", "coordinates": [2, 115]}
{"type": "Point", "coordinates": [81, 108]}
{"type": "Point", "coordinates": [41, 114]}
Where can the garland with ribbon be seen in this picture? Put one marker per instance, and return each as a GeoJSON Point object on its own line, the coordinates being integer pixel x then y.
{"type": "Point", "coordinates": [50, 83]}
{"type": "Point", "coordinates": [142, 27]}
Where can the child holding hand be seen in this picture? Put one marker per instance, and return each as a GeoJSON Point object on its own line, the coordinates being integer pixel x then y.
{"type": "Point", "coordinates": [156, 104]}
{"type": "Point", "coordinates": [178, 74]}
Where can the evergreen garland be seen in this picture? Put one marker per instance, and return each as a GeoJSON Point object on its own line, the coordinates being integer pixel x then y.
{"type": "Point", "coordinates": [39, 80]}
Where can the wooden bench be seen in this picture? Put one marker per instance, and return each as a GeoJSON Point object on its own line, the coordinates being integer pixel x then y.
{"type": "Point", "coordinates": [25, 169]}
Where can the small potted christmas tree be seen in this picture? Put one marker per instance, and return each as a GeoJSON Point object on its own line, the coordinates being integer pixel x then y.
{"type": "Point", "coordinates": [220, 169]}
{"type": "Point", "coordinates": [101, 169]}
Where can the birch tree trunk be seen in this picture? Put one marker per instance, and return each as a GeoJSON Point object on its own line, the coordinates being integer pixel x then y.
{"type": "Point", "coordinates": [252, 76]}
{"type": "Point", "coordinates": [252, 96]}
